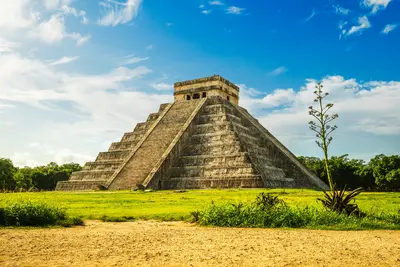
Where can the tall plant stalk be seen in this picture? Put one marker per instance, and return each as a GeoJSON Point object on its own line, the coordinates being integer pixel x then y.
{"type": "Point", "coordinates": [321, 126]}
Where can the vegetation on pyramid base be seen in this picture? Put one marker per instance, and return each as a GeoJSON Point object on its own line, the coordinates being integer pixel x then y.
{"type": "Point", "coordinates": [26, 213]}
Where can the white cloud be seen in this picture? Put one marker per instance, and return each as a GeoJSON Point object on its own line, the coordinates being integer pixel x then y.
{"type": "Point", "coordinates": [216, 3]}
{"type": "Point", "coordinates": [235, 10]}
{"type": "Point", "coordinates": [365, 109]}
{"type": "Point", "coordinates": [119, 12]}
{"type": "Point", "coordinates": [7, 46]}
{"type": "Point", "coordinates": [162, 86]}
{"type": "Point", "coordinates": [313, 13]}
{"type": "Point", "coordinates": [68, 10]}
{"type": "Point", "coordinates": [64, 60]}
{"type": "Point", "coordinates": [341, 10]}
{"type": "Point", "coordinates": [133, 60]}
{"type": "Point", "coordinates": [150, 47]}
{"type": "Point", "coordinates": [90, 111]}
{"type": "Point", "coordinates": [363, 24]}
{"type": "Point", "coordinates": [52, 4]}
{"type": "Point", "coordinates": [16, 14]}
{"type": "Point", "coordinates": [81, 40]}
{"type": "Point", "coordinates": [376, 5]}
{"type": "Point", "coordinates": [278, 71]}
{"type": "Point", "coordinates": [202, 6]}
{"type": "Point", "coordinates": [169, 24]}
{"type": "Point", "coordinates": [54, 30]}
{"type": "Point", "coordinates": [388, 28]}
{"type": "Point", "coordinates": [206, 12]}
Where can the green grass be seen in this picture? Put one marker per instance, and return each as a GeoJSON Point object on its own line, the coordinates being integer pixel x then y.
{"type": "Point", "coordinates": [169, 205]}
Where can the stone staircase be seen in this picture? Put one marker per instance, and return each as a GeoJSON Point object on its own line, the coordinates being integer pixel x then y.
{"type": "Point", "coordinates": [146, 157]}
{"type": "Point", "coordinates": [98, 172]}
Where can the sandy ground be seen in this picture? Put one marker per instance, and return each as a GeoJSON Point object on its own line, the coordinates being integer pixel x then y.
{"type": "Point", "coordinates": [181, 244]}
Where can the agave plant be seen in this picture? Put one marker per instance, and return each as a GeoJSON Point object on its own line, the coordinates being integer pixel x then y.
{"type": "Point", "coordinates": [340, 202]}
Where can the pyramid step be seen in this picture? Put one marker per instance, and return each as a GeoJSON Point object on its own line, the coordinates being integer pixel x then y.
{"type": "Point", "coordinates": [215, 160]}
{"type": "Point", "coordinates": [225, 136]}
{"type": "Point", "coordinates": [114, 155]}
{"type": "Point", "coordinates": [212, 171]}
{"type": "Point", "coordinates": [127, 145]}
{"type": "Point", "coordinates": [152, 117]}
{"type": "Point", "coordinates": [141, 127]}
{"type": "Point", "coordinates": [212, 118]}
{"type": "Point", "coordinates": [217, 108]}
{"type": "Point", "coordinates": [262, 160]}
{"type": "Point", "coordinates": [213, 148]}
{"type": "Point", "coordinates": [212, 127]}
{"type": "Point", "coordinates": [92, 175]}
{"type": "Point", "coordinates": [79, 185]}
{"type": "Point", "coordinates": [132, 136]}
{"type": "Point", "coordinates": [103, 165]}
{"type": "Point", "coordinates": [226, 181]}
{"type": "Point", "coordinates": [163, 107]}
{"type": "Point", "coordinates": [249, 138]}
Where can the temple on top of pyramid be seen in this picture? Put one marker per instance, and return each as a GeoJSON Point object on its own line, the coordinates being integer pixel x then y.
{"type": "Point", "coordinates": [204, 139]}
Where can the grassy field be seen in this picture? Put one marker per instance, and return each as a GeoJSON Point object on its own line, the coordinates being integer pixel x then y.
{"type": "Point", "coordinates": [170, 205]}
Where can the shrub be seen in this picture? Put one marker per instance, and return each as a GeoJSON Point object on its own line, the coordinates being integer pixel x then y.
{"type": "Point", "coordinates": [106, 218]}
{"type": "Point", "coordinates": [342, 203]}
{"type": "Point", "coordinates": [267, 201]}
{"type": "Point", "coordinates": [269, 211]}
{"type": "Point", "coordinates": [2, 216]}
{"type": "Point", "coordinates": [25, 213]}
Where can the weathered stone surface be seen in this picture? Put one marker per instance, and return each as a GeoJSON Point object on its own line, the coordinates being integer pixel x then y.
{"type": "Point", "coordinates": [200, 143]}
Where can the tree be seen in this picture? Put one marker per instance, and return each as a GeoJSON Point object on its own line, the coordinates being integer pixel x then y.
{"type": "Point", "coordinates": [321, 126]}
{"type": "Point", "coordinates": [386, 171]}
{"type": "Point", "coordinates": [337, 201]}
{"type": "Point", "coordinates": [7, 171]}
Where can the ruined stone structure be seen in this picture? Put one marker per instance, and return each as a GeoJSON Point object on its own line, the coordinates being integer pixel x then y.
{"type": "Point", "coordinates": [202, 140]}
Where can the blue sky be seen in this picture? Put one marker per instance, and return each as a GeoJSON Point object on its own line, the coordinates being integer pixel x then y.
{"type": "Point", "coordinates": [76, 74]}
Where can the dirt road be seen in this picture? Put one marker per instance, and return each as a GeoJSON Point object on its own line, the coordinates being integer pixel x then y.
{"type": "Point", "coordinates": [149, 243]}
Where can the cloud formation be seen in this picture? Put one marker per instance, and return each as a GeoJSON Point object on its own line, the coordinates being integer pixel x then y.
{"type": "Point", "coordinates": [278, 71]}
{"type": "Point", "coordinates": [388, 28]}
{"type": "Point", "coordinates": [235, 10]}
{"type": "Point", "coordinates": [363, 24]}
{"type": "Point", "coordinates": [116, 13]}
{"type": "Point", "coordinates": [64, 60]}
{"type": "Point", "coordinates": [70, 113]}
{"type": "Point", "coordinates": [365, 109]}
{"type": "Point", "coordinates": [376, 5]}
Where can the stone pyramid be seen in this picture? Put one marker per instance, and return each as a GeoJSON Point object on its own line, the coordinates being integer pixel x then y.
{"type": "Point", "coordinates": [201, 140]}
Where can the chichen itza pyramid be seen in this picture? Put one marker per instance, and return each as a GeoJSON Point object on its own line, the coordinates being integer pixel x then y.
{"type": "Point", "coordinates": [204, 139]}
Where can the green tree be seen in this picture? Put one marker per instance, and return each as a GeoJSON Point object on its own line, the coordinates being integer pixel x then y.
{"type": "Point", "coordinates": [385, 171]}
{"type": "Point", "coordinates": [23, 179]}
{"type": "Point", "coordinates": [7, 171]}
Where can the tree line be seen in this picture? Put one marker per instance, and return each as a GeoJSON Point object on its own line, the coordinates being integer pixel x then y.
{"type": "Point", "coordinates": [40, 178]}
{"type": "Point", "coordinates": [381, 173]}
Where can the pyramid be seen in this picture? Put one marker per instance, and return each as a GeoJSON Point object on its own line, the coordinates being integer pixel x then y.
{"type": "Point", "coordinates": [204, 139]}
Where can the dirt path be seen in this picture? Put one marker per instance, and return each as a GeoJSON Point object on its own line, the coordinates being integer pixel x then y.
{"type": "Point", "coordinates": [181, 244]}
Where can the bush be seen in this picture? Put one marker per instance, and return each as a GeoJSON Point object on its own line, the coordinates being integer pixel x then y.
{"type": "Point", "coordinates": [280, 215]}
{"type": "Point", "coordinates": [267, 201]}
{"type": "Point", "coordinates": [25, 213]}
{"type": "Point", "coordinates": [342, 203]}
{"type": "Point", "coordinates": [2, 216]}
